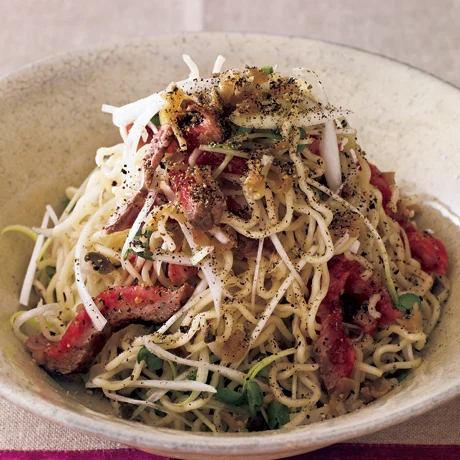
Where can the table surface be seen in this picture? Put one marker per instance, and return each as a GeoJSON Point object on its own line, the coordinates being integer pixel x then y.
{"type": "Point", "coordinates": [425, 34]}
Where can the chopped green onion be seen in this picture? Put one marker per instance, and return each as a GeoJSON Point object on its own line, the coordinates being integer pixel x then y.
{"type": "Point", "coordinates": [254, 396]}
{"type": "Point", "coordinates": [153, 362]}
{"type": "Point", "coordinates": [268, 69]}
{"type": "Point", "coordinates": [156, 120]}
{"type": "Point", "coordinates": [278, 415]}
{"type": "Point", "coordinates": [407, 301]}
{"type": "Point", "coordinates": [21, 229]}
{"type": "Point", "coordinates": [230, 397]}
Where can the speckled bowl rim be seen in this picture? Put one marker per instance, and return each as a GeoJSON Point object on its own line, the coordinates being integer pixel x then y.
{"type": "Point", "coordinates": [312, 436]}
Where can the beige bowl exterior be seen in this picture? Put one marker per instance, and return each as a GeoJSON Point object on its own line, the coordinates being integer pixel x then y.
{"type": "Point", "coordinates": [51, 126]}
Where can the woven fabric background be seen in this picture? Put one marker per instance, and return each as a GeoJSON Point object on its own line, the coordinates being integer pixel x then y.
{"type": "Point", "coordinates": [421, 32]}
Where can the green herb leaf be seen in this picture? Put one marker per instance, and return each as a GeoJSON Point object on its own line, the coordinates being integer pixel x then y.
{"type": "Point", "coordinates": [278, 415]}
{"type": "Point", "coordinates": [147, 255]}
{"type": "Point", "coordinates": [407, 301]}
{"type": "Point", "coordinates": [230, 397]}
{"type": "Point", "coordinates": [263, 373]}
{"type": "Point", "coordinates": [254, 396]}
{"type": "Point", "coordinates": [192, 375]}
{"type": "Point", "coordinates": [268, 69]}
{"type": "Point", "coordinates": [156, 119]}
{"type": "Point", "coordinates": [402, 376]}
{"type": "Point", "coordinates": [300, 147]}
{"type": "Point", "coordinates": [237, 130]}
{"type": "Point", "coordinates": [303, 135]}
{"type": "Point", "coordinates": [147, 234]}
{"type": "Point", "coordinates": [154, 363]}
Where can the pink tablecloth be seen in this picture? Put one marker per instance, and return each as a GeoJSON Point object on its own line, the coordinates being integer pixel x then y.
{"type": "Point", "coordinates": [337, 452]}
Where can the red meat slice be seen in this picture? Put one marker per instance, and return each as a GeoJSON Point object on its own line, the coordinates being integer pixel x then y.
{"type": "Point", "coordinates": [237, 165]}
{"type": "Point", "coordinates": [179, 274]}
{"type": "Point", "coordinates": [120, 305]}
{"type": "Point", "coordinates": [125, 215]}
{"type": "Point", "coordinates": [379, 182]}
{"type": "Point", "coordinates": [200, 125]}
{"type": "Point", "coordinates": [428, 250]}
{"type": "Point", "coordinates": [201, 198]}
{"type": "Point", "coordinates": [333, 350]}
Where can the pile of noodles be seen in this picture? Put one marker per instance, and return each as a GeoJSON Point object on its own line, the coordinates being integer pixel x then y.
{"type": "Point", "coordinates": [270, 301]}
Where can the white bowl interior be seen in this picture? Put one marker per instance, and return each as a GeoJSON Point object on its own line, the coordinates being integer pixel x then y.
{"type": "Point", "coordinates": [52, 125]}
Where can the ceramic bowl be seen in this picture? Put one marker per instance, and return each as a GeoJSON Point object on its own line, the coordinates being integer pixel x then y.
{"type": "Point", "coordinates": [51, 125]}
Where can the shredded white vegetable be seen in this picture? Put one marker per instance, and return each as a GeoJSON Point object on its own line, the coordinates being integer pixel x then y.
{"type": "Point", "coordinates": [194, 72]}
{"type": "Point", "coordinates": [30, 273]}
{"type": "Point", "coordinates": [52, 214]}
{"type": "Point", "coordinates": [137, 225]}
{"type": "Point", "coordinates": [218, 64]}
